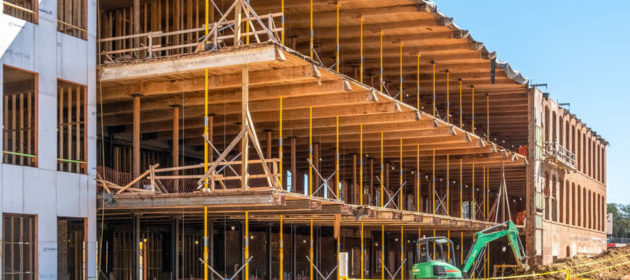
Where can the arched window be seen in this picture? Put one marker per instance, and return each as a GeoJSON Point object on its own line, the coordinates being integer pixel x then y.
{"type": "Point", "coordinates": [554, 128]}
{"type": "Point", "coordinates": [574, 212]}
{"type": "Point", "coordinates": [547, 132]}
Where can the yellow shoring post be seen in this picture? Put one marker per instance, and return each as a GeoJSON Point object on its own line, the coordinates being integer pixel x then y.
{"type": "Point", "coordinates": [433, 183]}
{"type": "Point", "coordinates": [473, 241]}
{"type": "Point", "coordinates": [400, 194]}
{"type": "Point", "coordinates": [247, 26]}
{"type": "Point", "coordinates": [448, 98]}
{"type": "Point", "coordinates": [246, 245]}
{"type": "Point", "coordinates": [487, 116]}
{"type": "Point", "coordinates": [448, 245]}
{"type": "Point", "coordinates": [337, 158]}
{"type": "Point", "coordinates": [401, 72]}
{"type": "Point", "coordinates": [382, 251]}
{"type": "Point", "coordinates": [361, 164]}
{"type": "Point", "coordinates": [434, 233]}
{"type": "Point", "coordinates": [418, 82]}
{"type": "Point", "coordinates": [472, 200]}
{"type": "Point", "coordinates": [310, 150]}
{"type": "Point", "coordinates": [280, 155]}
{"type": "Point", "coordinates": [282, 41]}
{"type": "Point", "coordinates": [382, 171]}
{"type": "Point", "coordinates": [311, 29]}
{"type": "Point", "coordinates": [361, 51]}
{"type": "Point", "coordinates": [461, 109]}
{"type": "Point", "coordinates": [433, 63]}
{"type": "Point", "coordinates": [310, 253]}
{"type": "Point", "coordinates": [418, 178]}
{"type": "Point", "coordinates": [483, 194]}
{"type": "Point", "coordinates": [381, 60]}
{"type": "Point", "coordinates": [402, 252]}
{"type": "Point", "coordinates": [338, 52]}
{"type": "Point", "coordinates": [362, 252]}
{"type": "Point", "coordinates": [472, 124]}
{"type": "Point", "coordinates": [448, 185]}
{"type": "Point", "coordinates": [281, 270]}
{"type": "Point", "coordinates": [461, 194]}
{"type": "Point", "coordinates": [205, 153]}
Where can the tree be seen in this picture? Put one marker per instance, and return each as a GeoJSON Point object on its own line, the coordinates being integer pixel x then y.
{"type": "Point", "coordinates": [621, 219]}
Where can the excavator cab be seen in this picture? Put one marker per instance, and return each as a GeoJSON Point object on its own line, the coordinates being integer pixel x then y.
{"type": "Point", "coordinates": [435, 256]}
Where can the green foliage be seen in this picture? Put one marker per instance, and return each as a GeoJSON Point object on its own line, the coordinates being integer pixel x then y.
{"type": "Point", "coordinates": [621, 219]}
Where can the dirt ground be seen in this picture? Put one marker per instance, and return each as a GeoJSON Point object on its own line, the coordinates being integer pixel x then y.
{"type": "Point", "coordinates": [612, 264]}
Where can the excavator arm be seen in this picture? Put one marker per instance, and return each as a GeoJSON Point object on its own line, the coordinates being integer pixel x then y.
{"type": "Point", "coordinates": [488, 235]}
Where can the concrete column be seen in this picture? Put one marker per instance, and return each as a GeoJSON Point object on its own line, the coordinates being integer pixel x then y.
{"type": "Point", "coordinates": [136, 135]}
{"type": "Point", "coordinates": [268, 144]}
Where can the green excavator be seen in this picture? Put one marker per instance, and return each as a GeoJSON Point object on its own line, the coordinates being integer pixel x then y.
{"type": "Point", "coordinates": [432, 252]}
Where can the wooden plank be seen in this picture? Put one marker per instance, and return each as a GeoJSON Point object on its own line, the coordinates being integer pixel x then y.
{"type": "Point", "coordinates": [29, 122]}
{"type": "Point", "coordinates": [13, 128]}
{"type": "Point", "coordinates": [21, 144]}
{"type": "Point", "coordinates": [69, 155]}
{"type": "Point", "coordinates": [77, 139]}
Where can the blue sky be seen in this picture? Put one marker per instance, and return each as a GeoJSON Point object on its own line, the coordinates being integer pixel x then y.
{"type": "Point", "coordinates": [581, 49]}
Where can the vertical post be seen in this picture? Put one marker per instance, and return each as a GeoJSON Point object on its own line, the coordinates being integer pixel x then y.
{"type": "Point", "coordinates": [338, 251]}
{"type": "Point", "coordinates": [281, 270]}
{"type": "Point", "coordinates": [402, 191]}
{"type": "Point", "coordinates": [382, 250]}
{"type": "Point", "coordinates": [418, 178]}
{"type": "Point", "coordinates": [382, 172]}
{"type": "Point", "coordinates": [136, 22]}
{"type": "Point", "coordinates": [310, 45]}
{"type": "Point", "coordinates": [244, 123]}
{"type": "Point", "coordinates": [433, 81]}
{"type": "Point", "coordinates": [461, 248]}
{"type": "Point", "coordinates": [282, 41]}
{"type": "Point", "coordinates": [136, 135]}
{"type": "Point", "coordinates": [246, 245]}
{"type": "Point", "coordinates": [362, 252]}
{"type": "Point", "coordinates": [310, 145]}
{"type": "Point", "coordinates": [316, 162]}
{"type": "Point", "coordinates": [418, 82]}
{"type": "Point", "coordinates": [448, 185]}
{"type": "Point", "coordinates": [205, 157]}
{"type": "Point", "coordinates": [448, 245]}
{"type": "Point", "coordinates": [461, 109]}
{"type": "Point", "coordinates": [483, 194]}
{"type": "Point", "coordinates": [402, 252]}
{"type": "Point", "coordinates": [381, 59]}
{"type": "Point", "coordinates": [280, 142]}
{"type": "Point", "coordinates": [487, 116]}
{"type": "Point", "coordinates": [448, 98]}
{"type": "Point", "coordinates": [461, 194]}
{"type": "Point", "coordinates": [472, 124]}
{"type": "Point", "coordinates": [337, 156]}
{"type": "Point", "coordinates": [175, 147]}
{"type": "Point", "coordinates": [361, 164]}
{"type": "Point", "coordinates": [472, 200]}
{"type": "Point", "coordinates": [354, 179]}
{"type": "Point", "coordinates": [310, 252]}
{"type": "Point", "coordinates": [294, 175]}
{"type": "Point", "coordinates": [237, 24]}
{"type": "Point", "coordinates": [269, 136]}
{"type": "Point", "coordinates": [361, 47]}
{"type": "Point", "coordinates": [433, 182]}
{"type": "Point", "coordinates": [400, 96]}
{"type": "Point", "coordinates": [338, 51]}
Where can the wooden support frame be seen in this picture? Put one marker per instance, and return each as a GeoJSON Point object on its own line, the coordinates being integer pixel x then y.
{"type": "Point", "coordinates": [20, 118]}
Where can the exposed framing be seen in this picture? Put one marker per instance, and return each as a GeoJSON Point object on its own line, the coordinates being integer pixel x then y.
{"type": "Point", "coordinates": [72, 18]}
{"type": "Point", "coordinates": [22, 9]}
{"type": "Point", "coordinates": [8, 231]}
{"type": "Point", "coordinates": [71, 127]}
{"type": "Point", "coordinates": [20, 123]}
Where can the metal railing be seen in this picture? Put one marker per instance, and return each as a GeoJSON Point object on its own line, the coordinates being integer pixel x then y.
{"type": "Point", "coordinates": [560, 153]}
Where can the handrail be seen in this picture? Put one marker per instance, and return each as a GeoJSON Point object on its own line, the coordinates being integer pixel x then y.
{"type": "Point", "coordinates": [19, 8]}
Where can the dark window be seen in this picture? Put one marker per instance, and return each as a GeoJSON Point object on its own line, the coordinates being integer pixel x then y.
{"type": "Point", "coordinates": [22, 9]}
{"type": "Point", "coordinates": [71, 130]}
{"type": "Point", "coordinates": [19, 117]}
{"type": "Point", "coordinates": [19, 246]}
{"type": "Point", "coordinates": [72, 17]}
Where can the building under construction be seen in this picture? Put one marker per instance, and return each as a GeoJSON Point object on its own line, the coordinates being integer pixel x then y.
{"type": "Point", "coordinates": [260, 139]}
